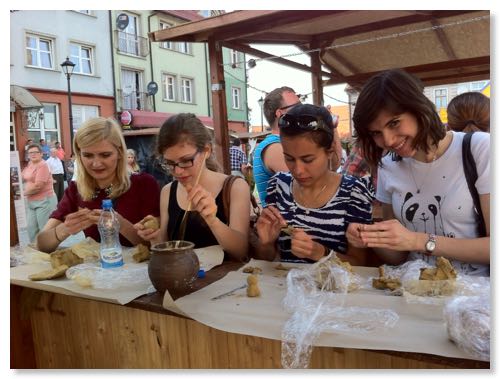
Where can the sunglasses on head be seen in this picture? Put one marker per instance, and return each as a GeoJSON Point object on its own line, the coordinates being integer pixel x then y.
{"type": "Point", "coordinates": [289, 106]}
{"type": "Point", "coordinates": [304, 122]}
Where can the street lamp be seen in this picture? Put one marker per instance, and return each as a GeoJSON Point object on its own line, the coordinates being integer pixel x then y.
{"type": "Point", "coordinates": [68, 67]}
{"type": "Point", "coordinates": [261, 103]}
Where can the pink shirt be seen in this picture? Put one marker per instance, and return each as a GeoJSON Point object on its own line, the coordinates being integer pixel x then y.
{"type": "Point", "coordinates": [60, 154]}
{"type": "Point", "coordinates": [38, 173]}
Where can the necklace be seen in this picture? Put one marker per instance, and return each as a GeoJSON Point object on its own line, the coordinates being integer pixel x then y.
{"type": "Point", "coordinates": [419, 188]}
{"type": "Point", "coordinates": [107, 190]}
{"type": "Point", "coordinates": [314, 198]}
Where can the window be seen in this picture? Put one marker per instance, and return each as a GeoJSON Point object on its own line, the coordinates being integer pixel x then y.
{"type": "Point", "coordinates": [44, 124]}
{"type": "Point", "coordinates": [81, 56]}
{"type": "Point", "coordinates": [184, 47]}
{"type": "Point", "coordinates": [82, 113]}
{"type": "Point", "coordinates": [128, 39]}
{"type": "Point", "coordinates": [166, 44]}
{"type": "Point", "coordinates": [187, 90]}
{"type": "Point", "coordinates": [477, 86]}
{"type": "Point", "coordinates": [440, 98]}
{"type": "Point", "coordinates": [236, 94]}
{"type": "Point", "coordinates": [132, 95]}
{"type": "Point", "coordinates": [234, 58]}
{"type": "Point", "coordinates": [169, 87]}
{"type": "Point", "coordinates": [39, 51]}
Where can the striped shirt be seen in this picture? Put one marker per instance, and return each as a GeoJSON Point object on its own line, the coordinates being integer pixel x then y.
{"type": "Point", "coordinates": [261, 174]}
{"type": "Point", "coordinates": [328, 224]}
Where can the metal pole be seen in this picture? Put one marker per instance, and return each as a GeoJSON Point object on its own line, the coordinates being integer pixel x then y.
{"type": "Point", "coordinates": [70, 112]}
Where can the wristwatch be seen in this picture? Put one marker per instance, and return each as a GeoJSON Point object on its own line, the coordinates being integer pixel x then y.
{"type": "Point", "coordinates": [430, 245]}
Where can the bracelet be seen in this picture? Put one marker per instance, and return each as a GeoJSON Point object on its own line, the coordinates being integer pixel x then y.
{"type": "Point", "coordinates": [55, 235]}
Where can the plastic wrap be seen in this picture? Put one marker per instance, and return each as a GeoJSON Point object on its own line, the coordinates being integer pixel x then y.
{"type": "Point", "coordinates": [315, 297]}
{"type": "Point", "coordinates": [24, 255]}
{"type": "Point", "coordinates": [91, 275]}
{"type": "Point", "coordinates": [468, 324]}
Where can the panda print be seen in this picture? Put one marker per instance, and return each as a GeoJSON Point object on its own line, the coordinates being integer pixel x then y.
{"type": "Point", "coordinates": [417, 210]}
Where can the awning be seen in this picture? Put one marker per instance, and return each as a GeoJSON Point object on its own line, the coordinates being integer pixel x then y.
{"type": "Point", "coordinates": [243, 136]}
{"type": "Point", "coordinates": [144, 119]}
{"type": "Point", "coordinates": [23, 98]}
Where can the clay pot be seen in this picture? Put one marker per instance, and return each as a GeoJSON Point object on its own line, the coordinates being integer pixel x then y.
{"type": "Point", "coordinates": [173, 266]}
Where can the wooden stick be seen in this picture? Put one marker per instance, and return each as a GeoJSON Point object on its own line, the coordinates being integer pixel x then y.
{"type": "Point", "coordinates": [182, 227]}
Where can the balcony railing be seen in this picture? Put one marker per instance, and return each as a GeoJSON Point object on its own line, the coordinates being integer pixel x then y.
{"type": "Point", "coordinates": [131, 44]}
{"type": "Point", "coordinates": [134, 100]}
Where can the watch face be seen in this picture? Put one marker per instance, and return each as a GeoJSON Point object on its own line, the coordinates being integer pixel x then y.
{"type": "Point", "coordinates": [430, 245]}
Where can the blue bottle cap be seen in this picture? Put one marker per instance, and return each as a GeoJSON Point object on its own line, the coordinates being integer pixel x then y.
{"type": "Point", "coordinates": [107, 204]}
{"type": "Point", "coordinates": [201, 273]}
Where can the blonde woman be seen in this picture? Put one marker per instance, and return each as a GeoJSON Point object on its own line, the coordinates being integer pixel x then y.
{"type": "Point", "coordinates": [102, 174]}
{"type": "Point", "coordinates": [132, 165]}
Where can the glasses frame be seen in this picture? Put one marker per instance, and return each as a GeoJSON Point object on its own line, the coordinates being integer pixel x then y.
{"type": "Point", "coordinates": [185, 163]}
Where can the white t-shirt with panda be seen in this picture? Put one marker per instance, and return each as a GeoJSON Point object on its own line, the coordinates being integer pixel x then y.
{"type": "Point", "coordinates": [444, 205]}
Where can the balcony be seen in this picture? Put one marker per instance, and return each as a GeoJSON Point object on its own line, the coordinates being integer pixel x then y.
{"type": "Point", "coordinates": [131, 44]}
{"type": "Point", "coordinates": [134, 100]}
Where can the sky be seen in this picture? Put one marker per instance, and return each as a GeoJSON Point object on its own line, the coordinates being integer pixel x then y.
{"type": "Point", "coordinates": [268, 75]}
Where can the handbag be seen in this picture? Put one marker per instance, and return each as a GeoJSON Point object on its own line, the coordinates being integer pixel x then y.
{"type": "Point", "coordinates": [226, 201]}
{"type": "Point", "coordinates": [470, 171]}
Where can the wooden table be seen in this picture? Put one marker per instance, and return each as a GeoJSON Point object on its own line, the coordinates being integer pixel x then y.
{"type": "Point", "coordinates": [50, 330]}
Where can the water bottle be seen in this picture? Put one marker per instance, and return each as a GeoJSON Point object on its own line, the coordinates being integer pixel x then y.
{"type": "Point", "coordinates": [109, 229]}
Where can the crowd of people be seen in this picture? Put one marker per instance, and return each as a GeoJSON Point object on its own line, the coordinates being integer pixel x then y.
{"type": "Point", "coordinates": [404, 162]}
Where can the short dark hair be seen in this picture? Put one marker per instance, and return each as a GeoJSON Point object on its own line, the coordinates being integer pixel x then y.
{"type": "Point", "coordinates": [36, 146]}
{"type": "Point", "coordinates": [273, 101]}
{"type": "Point", "coordinates": [236, 142]}
{"type": "Point", "coordinates": [397, 92]}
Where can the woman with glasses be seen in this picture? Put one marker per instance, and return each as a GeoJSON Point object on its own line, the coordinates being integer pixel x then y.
{"type": "Point", "coordinates": [185, 144]}
{"type": "Point", "coordinates": [38, 189]}
{"type": "Point", "coordinates": [309, 207]}
{"type": "Point", "coordinates": [101, 157]}
{"type": "Point", "coordinates": [428, 210]}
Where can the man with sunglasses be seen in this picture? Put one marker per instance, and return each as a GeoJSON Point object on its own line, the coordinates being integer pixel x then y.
{"type": "Point", "coordinates": [268, 156]}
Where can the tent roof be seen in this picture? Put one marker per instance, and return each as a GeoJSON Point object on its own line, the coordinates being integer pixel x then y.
{"type": "Point", "coordinates": [438, 46]}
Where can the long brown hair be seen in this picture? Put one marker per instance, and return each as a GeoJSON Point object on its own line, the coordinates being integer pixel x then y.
{"type": "Point", "coordinates": [397, 92]}
{"type": "Point", "coordinates": [469, 112]}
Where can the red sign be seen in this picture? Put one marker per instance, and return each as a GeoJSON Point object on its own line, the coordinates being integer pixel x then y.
{"type": "Point", "coordinates": [126, 118]}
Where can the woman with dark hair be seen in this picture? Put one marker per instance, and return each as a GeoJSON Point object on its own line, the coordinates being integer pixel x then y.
{"type": "Point", "coordinates": [185, 144]}
{"type": "Point", "coordinates": [427, 207]}
{"type": "Point", "coordinates": [314, 203]}
{"type": "Point", "coordinates": [469, 112]}
{"type": "Point", "coordinates": [101, 153]}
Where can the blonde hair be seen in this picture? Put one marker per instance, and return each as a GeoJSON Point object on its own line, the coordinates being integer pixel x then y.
{"type": "Point", "coordinates": [94, 131]}
{"type": "Point", "coordinates": [135, 167]}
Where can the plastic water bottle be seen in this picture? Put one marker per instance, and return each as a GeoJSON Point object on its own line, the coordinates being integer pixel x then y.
{"type": "Point", "coordinates": [109, 229]}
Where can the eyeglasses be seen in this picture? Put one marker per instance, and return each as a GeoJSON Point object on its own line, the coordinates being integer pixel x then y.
{"type": "Point", "coordinates": [289, 106]}
{"type": "Point", "coordinates": [185, 163]}
{"type": "Point", "coordinates": [304, 122]}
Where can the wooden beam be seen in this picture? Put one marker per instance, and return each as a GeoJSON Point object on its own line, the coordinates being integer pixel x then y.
{"type": "Point", "coordinates": [439, 66]}
{"type": "Point", "coordinates": [262, 54]}
{"type": "Point", "coordinates": [219, 104]}
{"type": "Point", "coordinates": [317, 85]}
{"type": "Point", "coordinates": [443, 40]}
{"type": "Point", "coordinates": [195, 27]}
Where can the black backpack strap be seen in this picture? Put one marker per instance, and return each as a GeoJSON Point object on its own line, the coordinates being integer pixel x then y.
{"type": "Point", "coordinates": [470, 171]}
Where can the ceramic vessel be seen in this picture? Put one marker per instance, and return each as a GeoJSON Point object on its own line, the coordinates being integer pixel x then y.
{"type": "Point", "coordinates": [173, 266]}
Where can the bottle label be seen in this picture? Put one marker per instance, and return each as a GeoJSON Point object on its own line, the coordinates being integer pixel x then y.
{"type": "Point", "coordinates": [111, 257]}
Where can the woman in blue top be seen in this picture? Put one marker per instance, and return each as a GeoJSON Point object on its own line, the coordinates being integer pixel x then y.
{"type": "Point", "coordinates": [316, 202]}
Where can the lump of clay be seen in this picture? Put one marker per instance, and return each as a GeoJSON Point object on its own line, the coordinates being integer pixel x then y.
{"type": "Point", "coordinates": [383, 282]}
{"type": "Point", "coordinates": [140, 253]}
{"type": "Point", "coordinates": [64, 257]}
{"type": "Point", "coordinates": [150, 222]}
{"type": "Point", "coordinates": [49, 274]}
{"type": "Point", "coordinates": [253, 286]}
{"type": "Point", "coordinates": [438, 281]}
{"type": "Point", "coordinates": [443, 271]}
{"type": "Point", "coordinates": [333, 274]}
